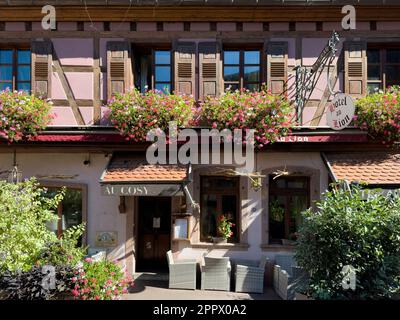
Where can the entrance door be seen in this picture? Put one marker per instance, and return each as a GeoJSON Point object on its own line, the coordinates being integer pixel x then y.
{"type": "Point", "coordinates": [154, 233]}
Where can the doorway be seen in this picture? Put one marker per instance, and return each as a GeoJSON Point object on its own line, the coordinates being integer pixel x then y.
{"type": "Point", "coordinates": [154, 233]}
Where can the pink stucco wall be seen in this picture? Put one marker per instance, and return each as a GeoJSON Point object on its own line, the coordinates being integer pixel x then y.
{"type": "Point", "coordinates": [279, 26]}
{"type": "Point", "coordinates": [57, 91]}
{"type": "Point", "coordinates": [321, 85]}
{"type": "Point", "coordinates": [87, 114]}
{"type": "Point", "coordinates": [383, 25]}
{"type": "Point", "coordinates": [200, 26]}
{"type": "Point", "coordinates": [63, 116]}
{"type": "Point", "coordinates": [309, 114]}
{"type": "Point", "coordinates": [226, 26]}
{"type": "Point", "coordinates": [81, 84]}
{"type": "Point", "coordinates": [15, 26]}
{"type": "Point", "coordinates": [67, 26]}
{"type": "Point", "coordinates": [311, 48]}
{"type": "Point", "coordinates": [173, 26]}
{"type": "Point", "coordinates": [95, 26]}
{"type": "Point", "coordinates": [146, 26]}
{"type": "Point", "coordinates": [252, 26]}
{"type": "Point", "coordinates": [362, 26]}
{"type": "Point", "coordinates": [37, 26]}
{"type": "Point", "coordinates": [120, 26]}
{"type": "Point", "coordinates": [331, 26]}
{"type": "Point", "coordinates": [75, 52]}
{"type": "Point", "coordinates": [305, 26]}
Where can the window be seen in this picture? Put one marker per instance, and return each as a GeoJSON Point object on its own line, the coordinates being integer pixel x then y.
{"type": "Point", "coordinates": [162, 70]}
{"type": "Point", "coordinates": [242, 69]}
{"type": "Point", "coordinates": [219, 196]}
{"type": "Point", "coordinates": [152, 69]}
{"type": "Point", "coordinates": [383, 68]}
{"type": "Point", "coordinates": [15, 69]}
{"type": "Point", "coordinates": [69, 210]}
{"type": "Point", "coordinates": [288, 197]}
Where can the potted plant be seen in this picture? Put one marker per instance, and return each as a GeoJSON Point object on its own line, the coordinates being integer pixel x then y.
{"type": "Point", "coordinates": [224, 230]}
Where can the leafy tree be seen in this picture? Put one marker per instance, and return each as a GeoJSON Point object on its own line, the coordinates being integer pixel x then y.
{"type": "Point", "coordinates": [352, 227]}
{"type": "Point", "coordinates": [23, 232]}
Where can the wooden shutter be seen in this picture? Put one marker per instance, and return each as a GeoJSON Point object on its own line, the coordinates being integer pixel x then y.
{"type": "Point", "coordinates": [355, 68]}
{"type": "Point", "coordinates": [209, 69]}
{"type": "Point", "coordinates": [277, 56]}
{"type": "Point", "coordinates": [119, 68]}
{"type": "Point", "coordinates": [185, 67]}
{"type": "Point", "coordinates": [41, 68]}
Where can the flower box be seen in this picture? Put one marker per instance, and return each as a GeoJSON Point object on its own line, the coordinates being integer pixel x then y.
{"type": "Point", "coordinates": [219, 240]}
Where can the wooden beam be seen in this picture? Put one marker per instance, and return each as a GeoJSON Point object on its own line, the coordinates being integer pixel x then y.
{"type": "Point", "coordinates": [77, 68]}
{"type": "Point", "coordinates": [67, 89]}
{"type": "Point", "coordinates": [201, 13]}
{"type": "Point", "coordinates": [96, 81]}
{"type": "Point", "coordinates": [79, 102]}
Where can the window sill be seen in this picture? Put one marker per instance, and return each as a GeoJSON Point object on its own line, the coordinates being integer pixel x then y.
{"type": "Point", "coordinates": [209, 245]}
{"type": "Point", "coordinates": [277, 247]}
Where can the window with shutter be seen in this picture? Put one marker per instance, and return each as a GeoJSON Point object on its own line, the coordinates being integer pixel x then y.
{"type": "Point", "coordinates": [152, 67]}
{"type": "Point", "coordinates": [355, 69]}
{"type": "Point", "coordinates": [41, 68]}
{"type": "Point", "coordinates": [185, 54]}
{"type": "Point", "coordinates": [277, 55]}
{"type": "Point", "coordinates": [119, 72]}
{"type": "Point", "coordinates": [383, 66]}
{"type": "Point", "coordinates": [242, 69]}
{"type": "Point", "coordinates": [15, 68]}
{"type": "Point", "coordinates": [209, 69]}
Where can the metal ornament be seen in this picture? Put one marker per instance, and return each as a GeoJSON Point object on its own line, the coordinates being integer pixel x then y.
{"type": "Point", "coordinates": [307, 77]}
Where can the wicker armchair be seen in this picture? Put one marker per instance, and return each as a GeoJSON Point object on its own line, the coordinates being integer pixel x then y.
{"type": "Point", "coordinates": [215, 273]}
{"type": "Point", "coordinates": [182, 274]}
{"type": "Point", "coordinates": [285, 276]}
{"type": "Point", "coordinates": [250, 276]}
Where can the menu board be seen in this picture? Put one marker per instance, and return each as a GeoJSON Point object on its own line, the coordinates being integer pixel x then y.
{"type": "Point", "coordinates": [181, 228]}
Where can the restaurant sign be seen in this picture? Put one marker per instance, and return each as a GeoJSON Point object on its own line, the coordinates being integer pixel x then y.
{"type": "Point", "coordinates": [340, 112]}
{"type": "Point", "coordinates": [141, 189]}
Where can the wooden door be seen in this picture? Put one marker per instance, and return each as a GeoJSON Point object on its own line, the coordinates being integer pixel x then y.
{"type": "Point", "coordinates": [154, 234]}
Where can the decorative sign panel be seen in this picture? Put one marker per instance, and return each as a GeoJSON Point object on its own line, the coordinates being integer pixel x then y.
{"type": "Point", "coordinates": [141, 190]}
{"type": "Point", "coordinates": [340, 112]}
{"type": "Point", "coordinates": [106, 239]}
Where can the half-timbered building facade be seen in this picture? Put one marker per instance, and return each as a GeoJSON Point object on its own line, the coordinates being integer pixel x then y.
{"type": "Point", "coordinates": [138, 211]}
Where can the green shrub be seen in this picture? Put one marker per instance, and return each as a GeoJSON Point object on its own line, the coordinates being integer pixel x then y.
{"type": "Point", "coordinates": [22, 115]}
{"type": "Point", "coordinates": [66, 250]}
{"type": "Point", "coordinates": [350, 228]}
{"type": "Point", "coordinates": [23, 232]}
{"type": "Point", "coordinates": [379, 114]}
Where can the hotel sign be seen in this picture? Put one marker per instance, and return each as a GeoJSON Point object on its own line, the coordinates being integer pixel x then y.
{"type": "Point", "coordinates": [149, 190]}
{"type": "Point", "coordinates": [340, 112]}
